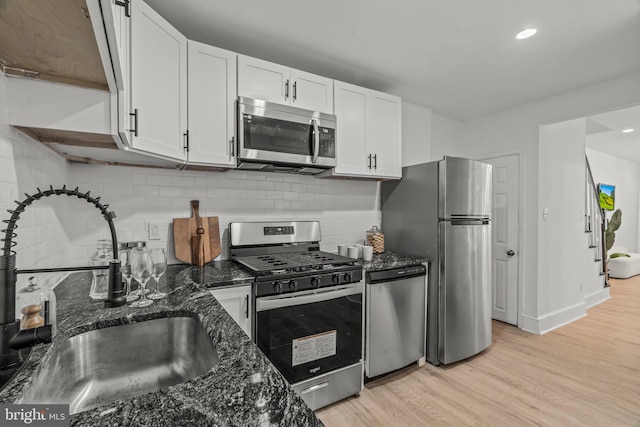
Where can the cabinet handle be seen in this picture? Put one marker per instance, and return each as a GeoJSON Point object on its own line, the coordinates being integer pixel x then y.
{"type": "Point", "coordinates": [369, 166]}
{"type": "Point", "coordinates": [186, 142]}
{"type": "Point", "coordinates": [233, 146]}
{"type": "Point", "coordinates": [286, 90]}
{"type": "Point", "coordinates": [135, 122]}
{"type": "Point", "coordinates": [125, 4]}
{"type": "Point", "coordinates": [375, 161]}
{"type": "Point", "coordinates": [295, 90]}
{"type": "Point", "coordinates": [246, 309]}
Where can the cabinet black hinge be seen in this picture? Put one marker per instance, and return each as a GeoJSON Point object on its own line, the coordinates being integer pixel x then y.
{"type": "Point", "coordinates": [125, 4]}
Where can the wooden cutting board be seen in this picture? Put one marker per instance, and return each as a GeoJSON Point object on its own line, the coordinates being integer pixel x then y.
{"type": "Point", "coordinates": [196, 239]}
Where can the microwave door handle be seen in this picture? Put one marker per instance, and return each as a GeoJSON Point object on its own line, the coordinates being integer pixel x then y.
{"type": "Point", "coordinates": [316, 141]}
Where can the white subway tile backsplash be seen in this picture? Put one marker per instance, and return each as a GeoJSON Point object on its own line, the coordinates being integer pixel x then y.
{"type": "Point", "coordinates": [249, 184]}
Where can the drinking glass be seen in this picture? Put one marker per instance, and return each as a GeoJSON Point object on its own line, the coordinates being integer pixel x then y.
{"type": "Point", "coordinates": [125, 265]}
{"type": "Point", "coordinates": [141, 269]}
{"type": "Point", "coordinates": [159, 261]}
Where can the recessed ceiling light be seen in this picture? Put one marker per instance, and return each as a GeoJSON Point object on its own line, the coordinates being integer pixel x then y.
{"type": "Point", "coordinates": [628, 130]}
{"type": "Point", "coordinates": [525, 34]}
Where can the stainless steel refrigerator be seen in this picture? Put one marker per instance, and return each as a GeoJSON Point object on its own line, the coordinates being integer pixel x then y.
{"type": "Point", "coordinates": [442, 210]}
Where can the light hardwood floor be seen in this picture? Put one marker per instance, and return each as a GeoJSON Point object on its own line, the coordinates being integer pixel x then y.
{"type": "Point", "coordinates": [584, 374]}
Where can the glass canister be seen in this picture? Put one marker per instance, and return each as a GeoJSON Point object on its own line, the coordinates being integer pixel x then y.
{"type": "Point", "coordinates": [100, 283]}
{"type": "Point", "coordinates": [375, 238]}
{"type": "Point", "coordinates": [37, 296]}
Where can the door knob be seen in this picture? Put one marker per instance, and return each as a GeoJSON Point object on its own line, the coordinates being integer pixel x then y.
{"type": "Point", "coordinates": [510, 252]}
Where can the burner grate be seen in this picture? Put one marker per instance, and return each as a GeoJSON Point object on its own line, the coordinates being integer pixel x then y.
{"type": "Point", "coordinates": [293, 261]}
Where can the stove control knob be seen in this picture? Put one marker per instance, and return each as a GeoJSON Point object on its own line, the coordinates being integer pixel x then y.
{"type": "Point", "coordinates": [277, 287]}
{"type": "Point", "coordinates": [336, 279]}
{"type": "Point", "coordinates": [348, 277]}
{"type": "Point", "coordinates": [293, 285]}
{"type": "Point", "coordinates": [315, 281]}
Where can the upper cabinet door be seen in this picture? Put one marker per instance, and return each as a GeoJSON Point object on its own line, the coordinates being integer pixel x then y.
{"type": "Point", "coordinates": [263, 80]}
{"type": "Point", "coordinates": [158, 84]}
{"type": "Point", "coordinates": [212, 96]}
{"type": "Point", "coordinates": [385, 136]}
{"type": "Point", "coordinates": [121, 67]}
{"type": "Point", "coordinates": [311, 92]}
{"type": "Point", "coordinates": [283, 85]}
{"type": "Point", "coordinates": [351, 134]}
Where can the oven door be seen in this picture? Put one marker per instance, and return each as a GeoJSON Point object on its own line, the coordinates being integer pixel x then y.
{"type": "Point", "coordinates": [310, 333]}
{"type": "Point", "coordinates": [278, 133]}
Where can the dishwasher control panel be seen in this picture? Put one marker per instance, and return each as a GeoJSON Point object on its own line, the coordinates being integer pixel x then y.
{"type": "Point", "coordinates": [396, 273]}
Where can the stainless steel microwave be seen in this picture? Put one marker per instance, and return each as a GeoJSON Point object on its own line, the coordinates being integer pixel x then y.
{"type": "Point", "coordinates": [280, 138]}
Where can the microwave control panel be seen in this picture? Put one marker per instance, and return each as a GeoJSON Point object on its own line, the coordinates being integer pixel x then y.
{"type": "Point", "coordinates": [327, 142]}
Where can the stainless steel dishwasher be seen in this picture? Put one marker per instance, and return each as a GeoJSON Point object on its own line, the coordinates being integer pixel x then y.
{"type": "Point", "coordinates": [395, 318]}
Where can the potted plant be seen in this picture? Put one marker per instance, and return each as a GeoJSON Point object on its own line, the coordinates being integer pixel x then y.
{"type": "Point", "coordinates": [610, 234]}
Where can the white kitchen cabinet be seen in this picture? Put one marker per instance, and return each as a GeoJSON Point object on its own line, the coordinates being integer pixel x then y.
{"type": "Point", "coordinates": [369, 139]}
{"type": "Point", "coordinates": [158, 84]}
{"type": "Point", "coordinates": [384, 140]}
{"type": "Point", "coordinates": [212, 97]}
{"type": "Point", "coordinates": [237, 301]}
{"type": "Point", "coordinates": [283, 85]}
{"type": "Point", "coordinates": [118, 30]}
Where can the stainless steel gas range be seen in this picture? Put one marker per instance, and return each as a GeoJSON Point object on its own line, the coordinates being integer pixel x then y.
{"type": "Point", "coordinates": [308, 317]}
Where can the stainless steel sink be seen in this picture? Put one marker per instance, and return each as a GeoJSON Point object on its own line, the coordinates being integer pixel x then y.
{"type": "Point", "coordinates": [101, 366]}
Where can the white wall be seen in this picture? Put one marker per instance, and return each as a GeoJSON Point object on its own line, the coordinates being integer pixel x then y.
{"type": "Point", "coordinates": [416, 134]}
{"type": "Point", "coordinates": [446, 136]}
{"type": "Point", "coordinates": [517, 130]}
{"type": "Point", "coordinates": [563, 253]}
{"type": "Point", "coordinates": [625, 175]}
{"type": "Point", "coordinates": [25, 165]}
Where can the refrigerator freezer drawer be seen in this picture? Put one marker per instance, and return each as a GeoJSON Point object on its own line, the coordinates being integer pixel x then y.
{"type": "Point", "coordinates": [464, 313]}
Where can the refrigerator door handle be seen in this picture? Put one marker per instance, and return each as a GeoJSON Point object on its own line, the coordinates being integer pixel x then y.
{"type": "Point", "coordinates": [470, 221]}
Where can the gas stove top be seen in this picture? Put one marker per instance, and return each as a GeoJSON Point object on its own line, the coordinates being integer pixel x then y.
{"type": "Point", "coordinates": [286, 257]}
{"type": "Point", "coordinates": [294, 262]}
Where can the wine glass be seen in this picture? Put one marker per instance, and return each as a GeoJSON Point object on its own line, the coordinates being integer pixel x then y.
{"type": "Point", "coordinates": [159, 261]}
{"type": "Point", "coordinates": [125, 265]}
{"type": "Point", "coordinates": [141, 269]}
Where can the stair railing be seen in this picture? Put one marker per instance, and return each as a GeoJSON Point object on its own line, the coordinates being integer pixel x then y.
{"type": "Point", "coordinates": [596, 223]}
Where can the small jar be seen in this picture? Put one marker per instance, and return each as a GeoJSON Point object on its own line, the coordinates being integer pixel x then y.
{"type": "Point", "coordinates": [375, 239]}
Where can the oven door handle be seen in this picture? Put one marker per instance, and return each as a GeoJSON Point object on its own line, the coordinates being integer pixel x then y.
{"type": "Point", "coordinates": [263, 304]}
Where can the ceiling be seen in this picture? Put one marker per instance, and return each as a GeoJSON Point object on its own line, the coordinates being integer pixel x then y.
{"type": "Point", "coordinates": [604, 133]}
{"type": "Point", "coordinates": [457, 57]}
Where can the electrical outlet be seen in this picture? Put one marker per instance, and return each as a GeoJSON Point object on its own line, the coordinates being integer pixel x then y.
{"type": "Point", "coordinates": [154, 230]}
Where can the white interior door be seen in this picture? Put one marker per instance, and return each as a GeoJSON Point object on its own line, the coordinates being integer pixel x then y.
{"type": "Point", "coordinates": [504, 220]}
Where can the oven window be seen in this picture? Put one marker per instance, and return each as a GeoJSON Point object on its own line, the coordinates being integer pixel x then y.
{"type": "Point", "coordinates": [327, 335]}
{"type": "Point", "coordinates": [268, 134]}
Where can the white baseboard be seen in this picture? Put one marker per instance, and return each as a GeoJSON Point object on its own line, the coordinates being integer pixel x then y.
{"type": "Point", "coordinates": [548, 322]}
{"type": "Point", "coordinates": [597, 297]}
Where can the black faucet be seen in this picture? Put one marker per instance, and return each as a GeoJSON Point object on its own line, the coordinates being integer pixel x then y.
{"type": "Point", "coordinates": [11, 337]}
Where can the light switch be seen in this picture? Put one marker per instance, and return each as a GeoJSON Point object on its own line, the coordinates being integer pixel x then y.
{"type": "Point", "coordinates": [154, 230]}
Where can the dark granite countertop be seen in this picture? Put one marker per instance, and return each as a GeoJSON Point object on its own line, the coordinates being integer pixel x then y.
{"type": "Point", "coordinates": [242, 389]}
{"type": "Point", "coordinates": [388, 259]}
